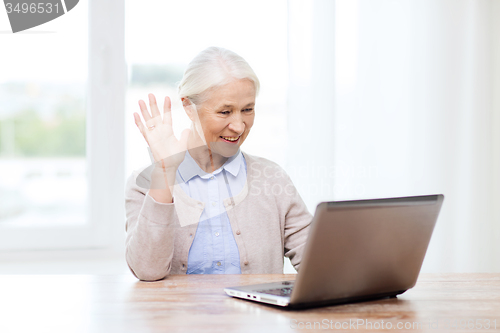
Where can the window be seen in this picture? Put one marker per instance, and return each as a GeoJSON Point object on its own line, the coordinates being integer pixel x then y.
{"type": "Point", "coordinates": [58, 188]}
{"type": "Point", "coordinates": [43, 183]}
{"type": "Point", "coordinates": [161, 44]}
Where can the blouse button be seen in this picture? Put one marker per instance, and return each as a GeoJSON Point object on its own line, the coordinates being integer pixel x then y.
{"type": "Point", "coordinates": [238, 232]}
{"type": "Point", "coordinates": [246, 262]}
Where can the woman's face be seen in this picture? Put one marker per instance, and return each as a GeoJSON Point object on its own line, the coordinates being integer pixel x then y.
{"type": "Point", "coordinates": [227, 116]}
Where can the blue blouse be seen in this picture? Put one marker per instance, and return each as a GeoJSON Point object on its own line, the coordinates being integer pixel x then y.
{"type": "Point", "coordinates": [214, 249]}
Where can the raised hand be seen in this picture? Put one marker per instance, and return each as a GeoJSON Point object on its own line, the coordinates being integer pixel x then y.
{"type": "Point", "coordinates": [159, 133]}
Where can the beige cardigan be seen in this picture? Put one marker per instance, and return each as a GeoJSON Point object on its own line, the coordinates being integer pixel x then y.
{"type": "Point", "coordinates": [268, 218]}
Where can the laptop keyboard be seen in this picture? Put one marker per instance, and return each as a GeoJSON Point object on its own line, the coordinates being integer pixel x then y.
{"type": "Point", "coordinates": [285, 291]}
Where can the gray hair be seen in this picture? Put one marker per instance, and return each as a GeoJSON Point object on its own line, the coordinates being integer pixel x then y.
{"type": "Point", "coordinates": [211, 68]}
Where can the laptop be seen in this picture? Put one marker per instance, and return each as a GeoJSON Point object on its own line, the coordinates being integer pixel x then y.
{"type": "Point", "coordinates": [356, 251]}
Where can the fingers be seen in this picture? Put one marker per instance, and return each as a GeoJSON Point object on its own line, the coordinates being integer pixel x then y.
{"type": "Point", "coordinates": [167, 111]}
{"type": "Point", "coordinates": [144, 111]}
{"type": "Point", "coordinates": [140, 125]}
{"type": "Point", "coordinates": [154, 107]}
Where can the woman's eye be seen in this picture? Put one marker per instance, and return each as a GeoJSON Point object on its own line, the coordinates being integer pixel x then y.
{"type": "Point", "coordinates": [225, 112]}
{"type": "Point", "coordinates": [248, 110]}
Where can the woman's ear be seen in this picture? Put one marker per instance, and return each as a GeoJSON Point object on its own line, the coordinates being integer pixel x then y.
{"type": "Point", "coordinates": [192, 113]}
{"type": "Point", "coordinates": [188, 107]}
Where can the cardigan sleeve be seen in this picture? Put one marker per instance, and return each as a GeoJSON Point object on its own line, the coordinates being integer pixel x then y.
{"type": "Point", "coordinates": [153, 228]}
{"type": "Point", "coordinates": [297, 224]}
{"type": "Point", "coordinates": [150, 232]}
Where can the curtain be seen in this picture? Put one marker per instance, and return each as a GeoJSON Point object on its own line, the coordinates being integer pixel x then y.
{"type": "Point", "coordinates": [413, 109]}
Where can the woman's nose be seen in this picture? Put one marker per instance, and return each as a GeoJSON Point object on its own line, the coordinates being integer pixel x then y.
{"type": "Point", "coordinates": [237, 124]}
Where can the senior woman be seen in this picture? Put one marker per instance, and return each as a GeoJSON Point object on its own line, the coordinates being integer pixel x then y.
{"type": "Point", "coordinates": [204, 206]}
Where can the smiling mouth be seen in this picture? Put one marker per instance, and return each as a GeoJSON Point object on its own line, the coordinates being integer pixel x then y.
{"type": "Point", "coordinates": [230, 139]}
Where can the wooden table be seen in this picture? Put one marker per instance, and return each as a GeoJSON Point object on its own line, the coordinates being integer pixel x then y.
{"type": "Point", "coordinates": [84, 303]}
